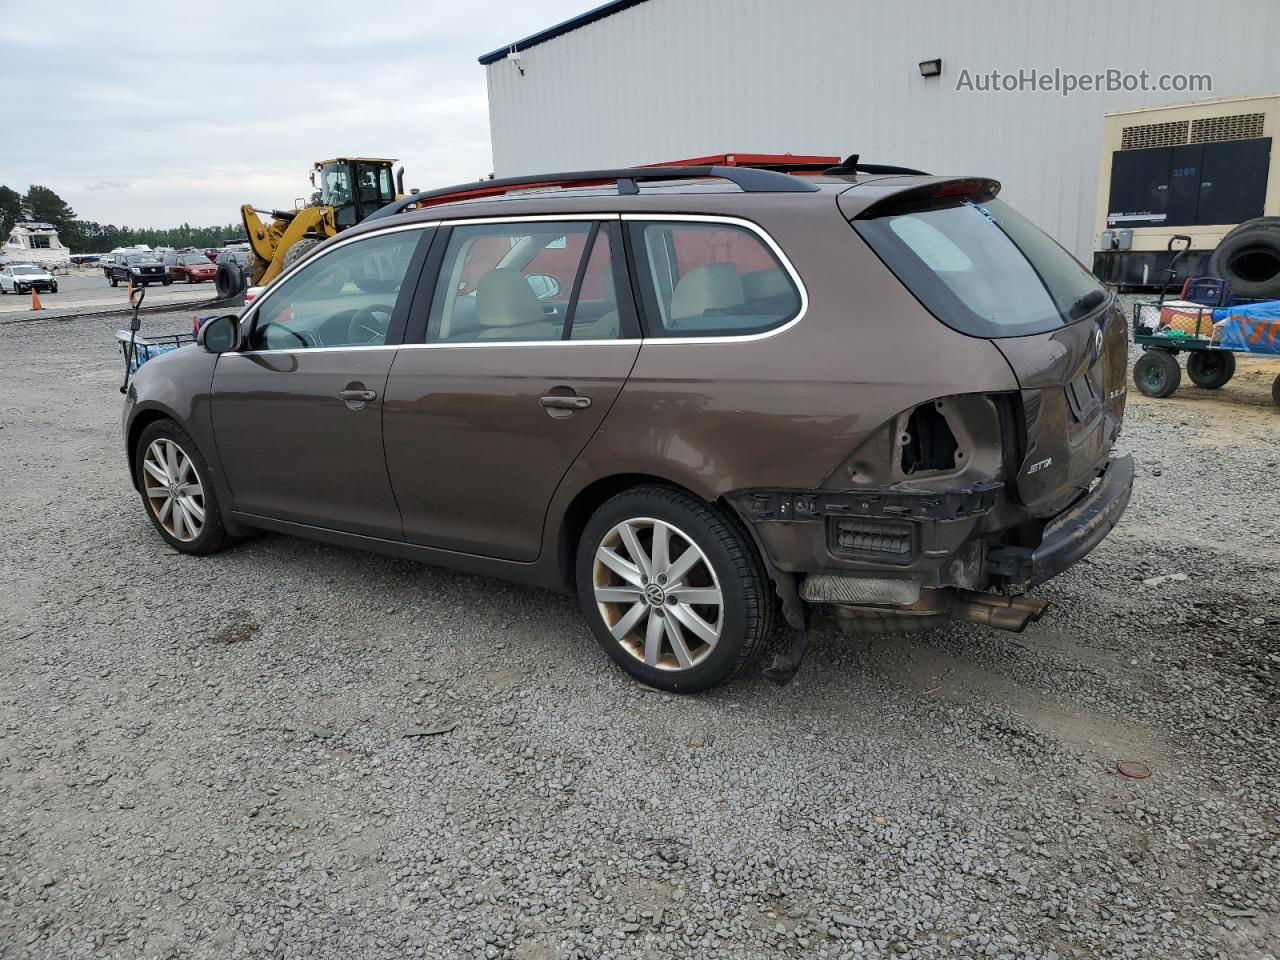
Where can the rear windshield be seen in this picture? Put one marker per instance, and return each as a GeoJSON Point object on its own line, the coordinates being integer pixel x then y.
{"type": "Point", "coordinates": [984, 269]}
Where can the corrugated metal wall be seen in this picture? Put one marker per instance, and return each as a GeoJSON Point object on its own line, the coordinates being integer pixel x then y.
{"type": "Point", "coordinates": [678, 78]}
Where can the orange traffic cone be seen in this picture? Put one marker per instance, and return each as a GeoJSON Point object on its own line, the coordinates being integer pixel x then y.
{"type": "Point", "coordinates": [35, 300]}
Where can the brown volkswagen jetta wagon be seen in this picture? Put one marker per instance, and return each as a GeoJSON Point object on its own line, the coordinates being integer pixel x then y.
{"type": "Point", "coordinates": [700, 398]}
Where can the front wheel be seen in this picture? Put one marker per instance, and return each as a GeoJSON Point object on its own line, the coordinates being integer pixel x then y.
{"type": "Point", "coordinates": [166, 282]}
{"type": "Point", "coordinates": [672, 589]}
{"type": "Point", "coordinates": [1211, 369]}
{"type": "Point", "coordinates": [1157, 374]}
{"type": "Point", "coordinates": [1275, 391]}
{"type": "Point", "coordinates": [173, 479]}
{"type": "Point", "coordinates": [54, 288]}
{"type": "Point", "coordinates": [115, 281]}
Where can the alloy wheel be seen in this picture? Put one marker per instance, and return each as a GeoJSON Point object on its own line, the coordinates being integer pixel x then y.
{"type": "Point", "coordinates": [658, 594]}
{"type": "Point", "coordinates": [173, 489]}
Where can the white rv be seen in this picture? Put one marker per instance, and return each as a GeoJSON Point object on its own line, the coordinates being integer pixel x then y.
{"type": "Point", "coordinates": [38, 243]}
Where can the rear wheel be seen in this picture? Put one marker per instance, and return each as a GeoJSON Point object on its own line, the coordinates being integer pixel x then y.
{"type": "Point", "coordinates": [1157, 374]}
{"type": "Point", "coordinates": [1275, 391]}
{"type": "Point", "coordinates": [1211, 369]}
{"type": "Point", "coordinates": [114, 281]}
{"type": "Point", "coordinates": [174, 482]}
{"type": "Point", "coordinates": [672, 590]}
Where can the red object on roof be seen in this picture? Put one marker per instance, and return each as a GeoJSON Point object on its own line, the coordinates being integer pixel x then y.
{"type": "Point", "coordinates": [753, 160]}
{"type": "Point", "coordinates": [785, 162]}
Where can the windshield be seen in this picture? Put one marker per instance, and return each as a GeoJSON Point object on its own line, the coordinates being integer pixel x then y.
{"type": "Point", "coordinates": [25, 270]}
{"type": "Point", "coordinates": [984, 269]}
{"type": "Point", "coordinates": [141, 258]}
{"type": "Point", "coordinates": [335, 185]}
{"type": "Point", "coordinates": [195, 258]}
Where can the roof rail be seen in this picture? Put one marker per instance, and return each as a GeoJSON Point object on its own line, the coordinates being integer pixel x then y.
{"type": "Point", "coordinates": [850, 164]}
{"type": "Point", "coordinates": [748, 179]}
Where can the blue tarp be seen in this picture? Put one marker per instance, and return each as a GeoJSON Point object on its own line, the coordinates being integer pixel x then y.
{"type": "Point", "coordinates": [1249, 328]}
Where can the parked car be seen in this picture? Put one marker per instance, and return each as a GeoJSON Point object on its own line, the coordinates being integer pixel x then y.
{"type": "Point", "coordinates": [140, 269]}
{"type": "Point", "coordinates": [25, 277]}
{"type": "Point", "coordinates": [191, 267]}
{"type": "Point", "coordinates": [893, 394]}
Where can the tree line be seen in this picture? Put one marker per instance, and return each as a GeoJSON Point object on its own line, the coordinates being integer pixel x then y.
{"type": "Point", "coordinates": [41, 204]}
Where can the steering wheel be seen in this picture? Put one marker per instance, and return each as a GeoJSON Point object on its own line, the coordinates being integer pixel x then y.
{"type": "Point", "coordinates": [368, 325]}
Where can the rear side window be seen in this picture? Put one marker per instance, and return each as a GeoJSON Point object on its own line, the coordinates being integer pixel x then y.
{"type": "Point", "coordinates": [984, 269]}
{"type": "Point", "coordinates": [526, 281]}
{"type": "Point", "coordinates": [710, 279]}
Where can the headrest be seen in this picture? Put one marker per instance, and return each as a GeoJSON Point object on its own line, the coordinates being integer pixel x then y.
{"type": "Point", "coordinates": [505, 299]}
{"type": "Point", "coordinates": [717, 286]}
{"type": "Point", "coordinates": [763, 284]}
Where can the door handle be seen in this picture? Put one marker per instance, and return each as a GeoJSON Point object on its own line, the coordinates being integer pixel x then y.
{"type": "Point", "coordinates": [565, 403]}
{"type": "Point", "coordinates": [365, 395]}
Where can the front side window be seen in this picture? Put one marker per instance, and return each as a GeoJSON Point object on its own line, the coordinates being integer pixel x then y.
{"type": "Point", "coordinates": [983, 268]}
{"type": "Point", "coordinates": [516, 282]}
{"type": "Point", "coordinates": [713, 279]}
{"type": "Point", "coordinates": [344, 298]}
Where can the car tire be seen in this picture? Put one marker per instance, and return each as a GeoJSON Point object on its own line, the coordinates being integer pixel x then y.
{"type": "Point", "coordinates": [228, 281]}
{"type": "Point", "coordinates": [1275, 391]}
{"type": "Point", "coordinates": [164, 445]}
{"type": "Point", "coordinates": [1157, 374]}
{"type": "Point", "coordinates": [1249, 258]}
{"type": "Point", "coordinates": [683, 646]}
{"type": "Point", "coordinates": [299, 250]}
{"type": "Point", "coordinates": [54, 288]}
{"type": "Point", "coordinates": [165, 282]}
{"type": "Point", "coordinates": [115, 281]}
{"type": "Point", "coordinates": [1211, 369]}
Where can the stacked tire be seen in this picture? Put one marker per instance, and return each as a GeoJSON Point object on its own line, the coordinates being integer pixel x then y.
{"type": "Point", "coordinates": [1249, 259]}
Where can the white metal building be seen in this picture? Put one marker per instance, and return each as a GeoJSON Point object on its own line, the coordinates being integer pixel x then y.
{"type": "Point", "coordinates": [643, 81]}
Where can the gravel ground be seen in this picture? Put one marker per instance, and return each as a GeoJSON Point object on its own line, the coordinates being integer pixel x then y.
{"type": "Point", "coordinates": [292, 750]}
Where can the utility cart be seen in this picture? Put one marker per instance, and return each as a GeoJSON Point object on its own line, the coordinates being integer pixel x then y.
{"type": "Point", "coordinates": [1208, 324]}
{"type": "Point", "coordinates": [137, 350]}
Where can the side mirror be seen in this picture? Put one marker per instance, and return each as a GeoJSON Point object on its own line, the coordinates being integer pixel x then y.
{"type": "Point", "coordinates": [543, 285]}
{"type": "Point", "coordinates": [220, 335]}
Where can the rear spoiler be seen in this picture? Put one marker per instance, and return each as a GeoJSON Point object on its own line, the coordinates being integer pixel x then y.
{"type": "Point", "coordinates": [972, 189]}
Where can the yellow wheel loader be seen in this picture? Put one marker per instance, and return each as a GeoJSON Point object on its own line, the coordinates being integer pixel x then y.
{"type": "Point", "coordinates": [350, 188]}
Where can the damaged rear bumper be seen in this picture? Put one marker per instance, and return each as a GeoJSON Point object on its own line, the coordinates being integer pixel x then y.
{"type": "Point", "coordinates": [1074, 533]}
{"type": "Point", "coordinates": [882, 547]}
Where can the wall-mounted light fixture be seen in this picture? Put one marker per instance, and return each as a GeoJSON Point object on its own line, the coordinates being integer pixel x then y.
{"type": "Point", "coordinates": [930, 68]}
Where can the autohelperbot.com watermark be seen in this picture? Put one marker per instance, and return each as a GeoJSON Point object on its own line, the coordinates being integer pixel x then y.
{"type": "Point", "coordinates": [1068, 82]}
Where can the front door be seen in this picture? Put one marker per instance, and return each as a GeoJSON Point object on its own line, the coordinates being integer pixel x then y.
{"type": "Point", "coordinates": [525, 351]}
{"type": "Point", "coordinates": [297, 414]}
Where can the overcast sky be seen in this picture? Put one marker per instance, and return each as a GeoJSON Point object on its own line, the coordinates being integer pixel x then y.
{"type": "Point", "coordinates": [151, 114]}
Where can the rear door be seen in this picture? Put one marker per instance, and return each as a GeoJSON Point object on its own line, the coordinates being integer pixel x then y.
{"type": "Point", "coordinates": [297, 414]}
{"type": "Point", "coordinates": [523, 348]}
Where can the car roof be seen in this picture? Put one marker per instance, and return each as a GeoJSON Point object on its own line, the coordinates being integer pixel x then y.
{"type": "Point", "coordinates": [855, 193]}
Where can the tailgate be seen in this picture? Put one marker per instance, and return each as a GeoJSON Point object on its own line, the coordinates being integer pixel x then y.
{"type": "Point", "coordinates": [1073, 394]}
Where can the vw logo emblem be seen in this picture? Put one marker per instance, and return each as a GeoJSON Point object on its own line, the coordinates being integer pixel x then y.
{"type": "Point", "coordinates": [1097, 343]}
{"type": "Point", "coordinates": [654, 595]}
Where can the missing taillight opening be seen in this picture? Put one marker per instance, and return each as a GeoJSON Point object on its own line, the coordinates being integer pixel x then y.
{"type": "Point", "coordinates": [928, 443]}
